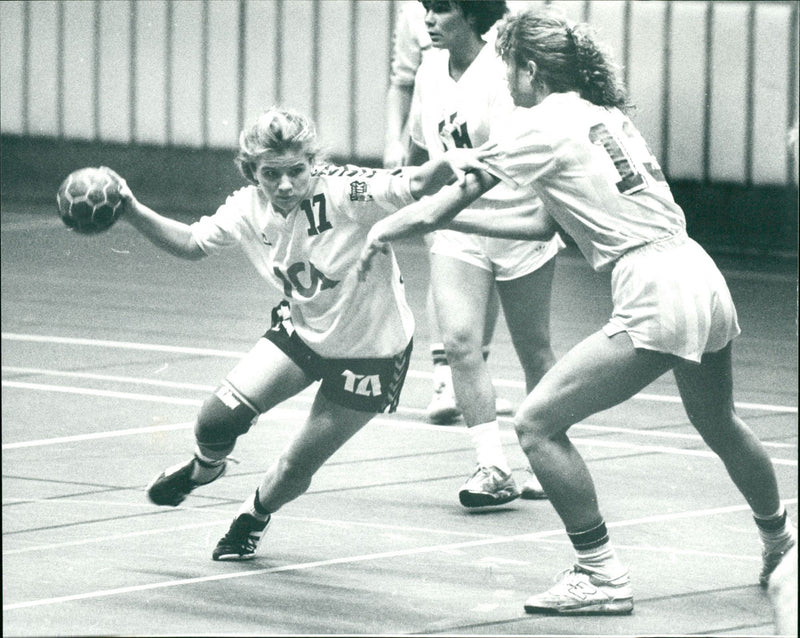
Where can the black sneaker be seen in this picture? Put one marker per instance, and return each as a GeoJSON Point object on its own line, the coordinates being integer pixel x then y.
{"type": "Point", "coordinates": [242, 539]}
{"type": "Point", "coordinates": [173, 485]}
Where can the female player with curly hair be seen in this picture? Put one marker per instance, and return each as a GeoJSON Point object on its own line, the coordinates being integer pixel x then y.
{"type": "Point", "coordinates": [672, 309]}
{"type": "Point", "coordinates": [302, 225]}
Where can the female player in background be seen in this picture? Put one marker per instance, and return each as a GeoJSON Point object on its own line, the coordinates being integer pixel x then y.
{"type": "Point", "coordinates": [410, 45]}
{"type": "Point", "coordinates": [459, 96]}
{"type": "Point", "coordinates": [672, 308]}
{"type": "Point", "coordinates": [302, 225]}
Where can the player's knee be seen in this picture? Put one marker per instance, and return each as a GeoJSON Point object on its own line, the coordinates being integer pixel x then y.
{"type": "Point", "coordinates": [462, 347]}
{"type": "Point", "coordinates": [223, 418]}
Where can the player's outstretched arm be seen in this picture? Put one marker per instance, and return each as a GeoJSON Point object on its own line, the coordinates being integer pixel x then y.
{"type": "Point", "coordinates": [430, 177]}
{"type": "Point", "coordinates": [423, 216]}
{"type": "Point", "coordinates": [169, 234]}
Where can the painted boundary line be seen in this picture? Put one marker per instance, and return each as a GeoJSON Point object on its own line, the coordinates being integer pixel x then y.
{"type": "Point", "coordinates": [11, 336]}
{"type": "Point", "coordinates": [349, 560]}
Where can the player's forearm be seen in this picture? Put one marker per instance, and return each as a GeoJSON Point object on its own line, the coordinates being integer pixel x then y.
{"type": "Point", "coordinates": [398, 105]}
{"type": "Point", "coordinates": [168, 234]}
{"type": "Point", "coordinates": [432, 212]}
{"type": "Point", "coordinates": [430, 177]}
{"type": "Point", "coordinates": [505, 223]}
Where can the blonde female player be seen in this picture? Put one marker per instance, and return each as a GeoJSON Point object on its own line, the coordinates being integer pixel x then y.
{"type": "Point", "coordinates": [672, 308]}
{"type": "Point", "coordinates": [459, 95]}
{"type": "Point", "coordinates": [302, 225]}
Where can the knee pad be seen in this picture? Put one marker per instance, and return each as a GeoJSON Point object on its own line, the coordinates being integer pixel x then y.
{"type": "Point", "coordinates": [224, 417]}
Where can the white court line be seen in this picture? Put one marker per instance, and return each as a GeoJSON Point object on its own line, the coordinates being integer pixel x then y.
{"type": "Point", "coordinates": [349, 560]}
{"type": "Point", "coordinates": [307, 398]}
{"type": "Point", "coordinates": [11, 336]}
{"type": "Point", "coordinates": [301, 414]}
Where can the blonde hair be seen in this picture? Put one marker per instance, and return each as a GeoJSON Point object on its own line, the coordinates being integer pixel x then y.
{"type": "Point", "coordinates": [275, 131]}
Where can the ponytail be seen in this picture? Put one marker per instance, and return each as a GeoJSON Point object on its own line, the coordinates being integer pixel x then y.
{"type": "Point", "coordinates": [567, 58]}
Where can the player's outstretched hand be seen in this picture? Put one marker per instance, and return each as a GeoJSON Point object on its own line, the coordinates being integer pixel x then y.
{"type": "Point", "coordinates": [125, 192]}
{"type": "Point", "coordinates": [371, 248]}
{"type": "Point", "coordinates": [466, 160]}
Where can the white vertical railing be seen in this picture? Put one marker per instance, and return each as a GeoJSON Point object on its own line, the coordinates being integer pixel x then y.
{"type": "Point", "coordinates": [715, 82]}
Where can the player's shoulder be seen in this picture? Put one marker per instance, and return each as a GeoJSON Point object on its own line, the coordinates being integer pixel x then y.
{"type": "Point", "coordinates": [244, 196]}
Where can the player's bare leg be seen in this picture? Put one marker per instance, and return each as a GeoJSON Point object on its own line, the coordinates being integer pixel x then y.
{"type": "Point", "coordinates": [526, 305]}
{"type": "Point", "coordinates": [263, 378]}
{"type": "Point", "coordinates": [597, 374]}
{"type": "Point", "coordinates": [462, 322]}
{"type": "Point", "coordinates": [707, 394]}
{"type": "Point", "coordinates": [328, 427]}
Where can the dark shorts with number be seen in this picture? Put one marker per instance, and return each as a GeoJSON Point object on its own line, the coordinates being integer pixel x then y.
{"type": "Point", "coordinates": [368, 385]}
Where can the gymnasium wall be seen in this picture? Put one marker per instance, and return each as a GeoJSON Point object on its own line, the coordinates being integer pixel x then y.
{"type": "Point", "coordinates": [715, 82]}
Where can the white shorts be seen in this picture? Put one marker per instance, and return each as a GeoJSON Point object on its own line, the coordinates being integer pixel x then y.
{"type": "Point", "coordinates": [669, 296]}
{"type": "Point", "coordinates": [505, 258]}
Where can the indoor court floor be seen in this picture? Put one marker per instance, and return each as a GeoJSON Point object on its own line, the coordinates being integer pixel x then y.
{"type": "Point", "coordinates": [108, 349]}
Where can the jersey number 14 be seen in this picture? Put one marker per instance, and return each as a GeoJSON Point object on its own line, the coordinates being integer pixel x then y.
{"type": "Point", "coordinates": [633, 176]}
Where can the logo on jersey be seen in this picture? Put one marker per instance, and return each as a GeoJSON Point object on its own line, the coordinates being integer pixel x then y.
{"type": "Point", "coordinates": [264, 239]}
{"type": "Point", "coordinates": [453, 133]}
{"type": "Point", "coordinates": [294, 287]}
{"type": "Point", "coordinates": [359, 192]}
{"type": "Point", "coordinates": [368, 385]}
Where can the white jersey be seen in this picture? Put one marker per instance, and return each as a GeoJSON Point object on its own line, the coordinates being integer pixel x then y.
{"type": "Point", "coordinates": [449, 114]}
{"type": "Point", "coordinates": [310, 256]}
{"type": "Point", "coordinates": [594, 173]}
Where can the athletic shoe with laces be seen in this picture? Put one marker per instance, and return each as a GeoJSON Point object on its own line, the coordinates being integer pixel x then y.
{"type": "Point", "coordinates": [488, 486]}
{"type": "Point", "coordinates": [503, 407]}
{"type": "Point", "coordinates": [771, 558]}
{"type": "Point", "coordinates": [532, 489]}
{"type": "Point", "coordinates": [578, 591]}
{"type": "Point", "coordinates": [175, 483]}
{"type": "Point", "coordinates": [442, 410]}
{"type": "Point", "coordinates": [242, 539]}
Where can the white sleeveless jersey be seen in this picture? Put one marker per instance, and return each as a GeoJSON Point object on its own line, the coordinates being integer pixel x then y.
{"type": "Point", "coordinates": [594, 172]}
{"type": "Point", "coordinates": [310, 256]}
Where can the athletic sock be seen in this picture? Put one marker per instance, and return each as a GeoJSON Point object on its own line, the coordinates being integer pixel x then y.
{"type": "Point", "coordinates": [776, 531]}
{"type": "Point", "coordinates": [206, 469]}
{"type": "Point", "coordinates": [438, 354]}
{"type": "Point", "coordinates": [486, 437]}
{"type": "Point", "coordinates": [254, 507]}
{"type": "Point", "coordinates": [595, 553]}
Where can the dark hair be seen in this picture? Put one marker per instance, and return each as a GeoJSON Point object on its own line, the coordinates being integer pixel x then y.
{"type": "Point", "coordinates": [568, 58]}
{"type": "Point", "coordinates": [484, 12]}
{"type": "Point", "coordinates": [275, 131]}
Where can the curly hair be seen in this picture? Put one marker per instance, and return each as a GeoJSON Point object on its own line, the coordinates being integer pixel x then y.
{"type": "Point", "coordinates": [275, 131]}
{"type": "Point", "coordinates": [568, 58]}
{"type": "Point", "coordinates": [484, 12]}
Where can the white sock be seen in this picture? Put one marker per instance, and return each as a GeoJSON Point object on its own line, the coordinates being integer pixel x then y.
{"type": "Point", "coordinates": [486, 437]}
{"type": "Point", "coordinates": [206, 469]}
{"type": "Point", "coordinates": [602, 561]}
{"type": "Point", "coordinates": [249, 507]}
{"type": "Point", "coordinates": [776, 531]}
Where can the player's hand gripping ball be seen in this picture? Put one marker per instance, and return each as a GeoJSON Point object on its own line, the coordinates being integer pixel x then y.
{"type": "Point", "coordinates": [89, 200]}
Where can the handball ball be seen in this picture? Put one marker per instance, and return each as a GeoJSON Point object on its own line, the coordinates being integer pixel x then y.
{"type": "Point", "coordinates": [89, 200]}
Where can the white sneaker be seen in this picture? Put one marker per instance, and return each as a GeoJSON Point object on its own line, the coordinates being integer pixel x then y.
{"type": "Point", "coordinates": [578, 591]}
{"type": "Point", "coordinates": [488, 486]}
{"type": "Point", "coordinates": [771, 558]}
{"type": "Point", "coordinates": [442, 410]}
{"type": "Point", "coordinates": [503, 407]}
{"type": "Point", "coordinates": [531, 489]}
